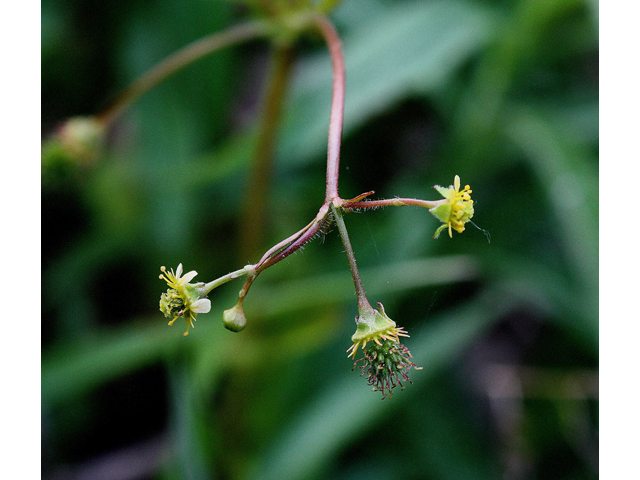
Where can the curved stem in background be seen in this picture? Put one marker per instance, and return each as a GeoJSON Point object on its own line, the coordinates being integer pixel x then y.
{"type": "Point", "coordinates": [255, 200]}
{"type": "Point", "coordinates": [179, 60]}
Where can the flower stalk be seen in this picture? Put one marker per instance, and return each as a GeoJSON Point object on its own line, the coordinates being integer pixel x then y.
{"type": "Point", "coordinates": [364, 307]}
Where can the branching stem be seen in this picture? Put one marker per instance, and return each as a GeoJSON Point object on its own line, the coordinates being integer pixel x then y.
{"type": "Point", "coordinates": [333, 205]}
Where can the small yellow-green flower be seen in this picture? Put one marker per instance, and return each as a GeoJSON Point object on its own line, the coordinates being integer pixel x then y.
{"type": "Point", "coordinates": [375, 327]}
{"type": "Point", "coordinates": [455, 210]}
{"type": "Point", "coordinates": [183, 299]}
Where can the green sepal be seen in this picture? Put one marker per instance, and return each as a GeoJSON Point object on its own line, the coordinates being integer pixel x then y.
{"type": "Point", "coordinates": [439, 230]}
{"type": "Point", "coordinates": [192, 292]}
{"type": "Point", "coordinates": [368, 325]}
{"type": "Point", "coordinates": [444, 191]}
{"type": "Point", "coordinates": [442, 212]}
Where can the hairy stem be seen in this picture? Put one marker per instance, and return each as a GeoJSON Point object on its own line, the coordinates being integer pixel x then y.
{"type": "Point", "coordinates": [394, 202]}
{"type": "Point", "coordinates": [302, 237]}
{"type": "Point", "coordinates": [337, 105]}
{"type": "Point", "coordinates": [288, 246]}
{"type": "Point", "coordinates": [363, 302]}
{"type": "Point", "coordinates": [257, 188]}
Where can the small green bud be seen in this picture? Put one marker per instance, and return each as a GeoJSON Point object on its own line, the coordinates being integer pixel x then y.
{"type": "Point", "coordinates": [78, 142]}
{"type": "Point", "coordinates": [234, 318]}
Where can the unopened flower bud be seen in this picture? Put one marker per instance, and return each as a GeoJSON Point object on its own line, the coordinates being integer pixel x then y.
{"type": "Point", "coordinates": [234, 319]}
{"type": "Point", "coordinates": [78, 142]}
{"type": "Point", "coordinates": [82, 137]}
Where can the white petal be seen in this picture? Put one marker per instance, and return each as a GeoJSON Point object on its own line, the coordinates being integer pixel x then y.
{"type": "Point", "coordinates": [201, 306]}
{"type": "Point", "coordinates": [188, 277]}
{"type": "Point", "coordinates": [179, 271]}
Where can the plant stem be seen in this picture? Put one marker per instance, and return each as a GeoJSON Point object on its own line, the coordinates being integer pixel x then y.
{"type": "Point", "coordinates": [256, 203]}
{"type": "Point", "coordinates": [256, 195]}
{"type": "Point", "coordinates": [253, 215]}
{"type": "Point", "coordinates": [298, 240]}
{"type": "Point", "coordinates": [395, 202]}
{"type": "Point", "coordinates": [179, 60]}
{"type": "Point", "coordinates": [248, 270]}
{"type": "Point", "coordinates": [363, 302]}
{"type": "Point", "coordinates": [337, 106]}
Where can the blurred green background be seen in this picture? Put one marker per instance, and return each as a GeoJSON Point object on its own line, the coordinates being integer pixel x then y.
{"type": "Point", "coordinates": [503, 93]}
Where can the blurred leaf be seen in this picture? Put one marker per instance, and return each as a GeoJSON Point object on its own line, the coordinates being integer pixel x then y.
{"type": "Point", "coordinates": [547, 290]}
{"type": "Point", "coordinates": [517, 49]}
{"type": "Point", "coordinates": [338, 287]}
{"type": "Point", "coordinates": [72, 370]}
{"type": "Point", "coordinates": [567, 172]}
{"type": "Point", "coordinates": [191, 419]}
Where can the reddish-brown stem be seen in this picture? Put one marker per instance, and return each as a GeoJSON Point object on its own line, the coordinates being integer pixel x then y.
{"type": "Point", "coordinates": [283, 244]}
{"type": "Point", "coordinates": [304, 236]}
{"type": "Point", "coordinates": [395, 202]}
{"type": "Point", "coordinates": [297, 240]}
{"type": "Point", "coordinates": [332, 197]}
{"type": "Point", "coordinates": [337, 106]}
